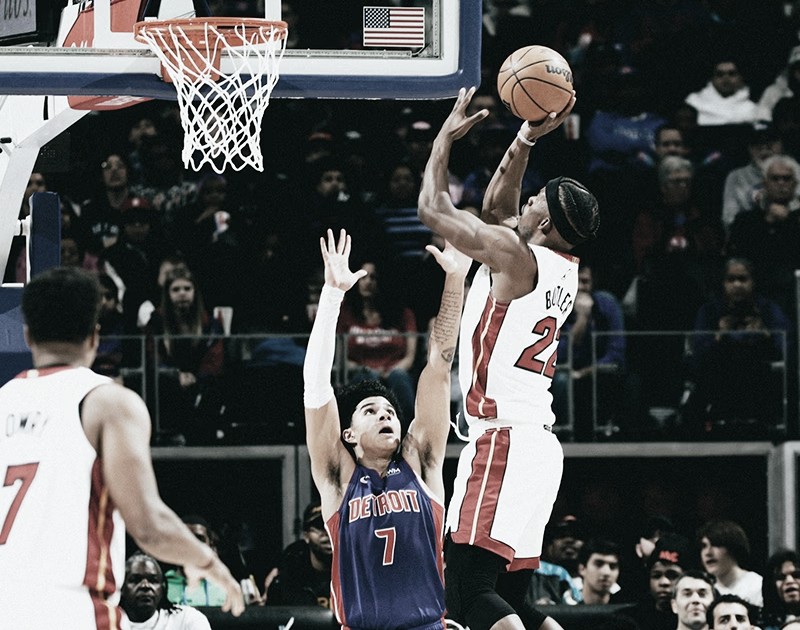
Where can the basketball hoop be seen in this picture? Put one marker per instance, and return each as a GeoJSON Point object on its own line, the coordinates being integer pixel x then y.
{"type": "Point", "coordinates": [220, 111]}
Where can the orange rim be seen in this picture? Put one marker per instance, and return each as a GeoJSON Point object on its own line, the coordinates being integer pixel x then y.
{"type": "Point", "coordinates": [195, 28]}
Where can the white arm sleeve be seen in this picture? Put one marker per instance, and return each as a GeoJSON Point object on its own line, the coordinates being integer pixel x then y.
{"type": "Point", "coordinates": [317, 390]}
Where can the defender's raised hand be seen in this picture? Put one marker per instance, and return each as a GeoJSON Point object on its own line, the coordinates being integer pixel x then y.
{"type": "Point", "coordinates": [336, 257]}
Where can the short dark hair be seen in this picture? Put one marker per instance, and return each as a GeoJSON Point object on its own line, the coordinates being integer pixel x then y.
{"type": "Point", "coordinates": [573, 209]}
{"type": "Point", "coordinates": [61, 304]}
{"type": "Point", "coordinates": [600, 546]}
{"type": "Point", "coordinates": [728, 598]}
{"type": "Point", "coordinates": [349, 396]}
{"type": "Point", "coordinates": [726, 534]}
{"type": "Point", "coordinates": [697, 575]}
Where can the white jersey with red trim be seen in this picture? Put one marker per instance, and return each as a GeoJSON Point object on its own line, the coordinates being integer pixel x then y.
{"type": "Point", "coordinates": [62, 541]}
{"type": "Point", "coordinates": [507, 350]}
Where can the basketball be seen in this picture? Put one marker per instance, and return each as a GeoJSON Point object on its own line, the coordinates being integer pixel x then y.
{"type": "Point", "coordinates": [534, 81]}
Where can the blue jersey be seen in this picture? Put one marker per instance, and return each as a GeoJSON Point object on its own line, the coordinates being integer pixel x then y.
{"type": "Point", "coordinates": [387, 539]}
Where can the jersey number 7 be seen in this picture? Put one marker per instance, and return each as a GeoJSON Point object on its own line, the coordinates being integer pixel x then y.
{"type": "Point", "coordinates": [24, 473]}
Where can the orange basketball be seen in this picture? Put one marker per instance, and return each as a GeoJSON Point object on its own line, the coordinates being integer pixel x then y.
{"type": "Point", "coordinates": [534, 81]}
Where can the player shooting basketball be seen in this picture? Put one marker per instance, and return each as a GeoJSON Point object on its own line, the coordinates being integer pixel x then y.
{"type": "Point", "coordinates": [382, 492]}
{"type": "Point", "coordinates": [507, 480]}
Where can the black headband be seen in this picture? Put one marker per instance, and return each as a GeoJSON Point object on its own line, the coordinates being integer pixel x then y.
{"type": "Point", "coordinates": [557, 214]}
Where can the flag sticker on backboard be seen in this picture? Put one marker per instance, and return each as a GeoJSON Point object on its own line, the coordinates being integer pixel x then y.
{"type": "Point", "coordinates": [402, 27]}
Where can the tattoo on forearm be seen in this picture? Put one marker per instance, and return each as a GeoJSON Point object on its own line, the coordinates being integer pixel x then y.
{"type": "Point", "coordinates": [445, 327]}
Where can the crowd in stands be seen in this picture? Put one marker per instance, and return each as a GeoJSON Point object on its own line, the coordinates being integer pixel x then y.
{"type": "Point", "coordinates": [667, 579]}
{"type": "Point", "coordinates": [688, 133]}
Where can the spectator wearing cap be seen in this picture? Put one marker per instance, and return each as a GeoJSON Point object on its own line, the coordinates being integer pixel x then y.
{"type": "Point", "coordinates": [724, 548]}
{"type": "Point", "coordinates": [743, 185]}
{"type": "Point", "coordinates": [786, 85]}
{"type": "Point", "coordinates": [563, 540]}
{"type": "Point", "coordinates": [551, 583]}
{"type": "Point", "coordinates": [303, 575]}
{"type": "Point", "coordinates": [670, 558]}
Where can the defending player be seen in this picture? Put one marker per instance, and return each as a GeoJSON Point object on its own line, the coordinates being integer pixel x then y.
{"type": "Point", "coordinates": [74, 458]}
{"type": "Point", "coordinates": [382, 493]}
{"type": "Point", "coordinates": [510, 470]}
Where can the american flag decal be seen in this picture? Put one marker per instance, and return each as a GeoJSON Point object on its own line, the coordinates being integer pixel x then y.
{"type": "Point", "coordinates": [396, 27]}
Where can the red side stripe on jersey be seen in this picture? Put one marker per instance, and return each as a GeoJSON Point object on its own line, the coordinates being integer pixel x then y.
{"type": "Point", "coordinates": [479, 506]}
{"type": "Point", "coordinates": [336, 585]}
{"type": "Point", "coordinates": [106, 616]}
{"type": "Point", "coordinates": [99, 574]}
{"type": "Point", "coordinates": [484, 339]}
{"type": "Point", "coordinates": [438, 520]}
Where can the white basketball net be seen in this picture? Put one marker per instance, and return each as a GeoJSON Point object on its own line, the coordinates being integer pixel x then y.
{"type": "Point", "coordinates": [220, 111]}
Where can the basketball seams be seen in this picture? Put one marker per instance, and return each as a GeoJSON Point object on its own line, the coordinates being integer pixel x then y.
{"type": "Point", "coordinates": [533, 81]}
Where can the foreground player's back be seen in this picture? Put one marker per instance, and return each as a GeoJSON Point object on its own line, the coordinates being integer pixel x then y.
{"type": "Point", "coordinates": [62, 542]}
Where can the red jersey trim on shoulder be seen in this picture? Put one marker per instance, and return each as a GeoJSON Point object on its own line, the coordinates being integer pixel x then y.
{"type": "Point", "coordinates": [569, 257]}
{"type": "Point", "coordinates": [35, 373]}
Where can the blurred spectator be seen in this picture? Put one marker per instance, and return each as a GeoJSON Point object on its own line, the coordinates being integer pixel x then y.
{"type": "Point", "coordinates": [786, 85]}
{"type": "Point", "coordinates": [598, 566]}
{"type": "Point", "coordinates": [110, 348]}
{"type": "Point", "coordinates": [724, 548]}
{"type": "Point", "coordinates": [730, 612]}
{"type": "Point", "coordinates": [781, 589]}
{"type": "Point", "coordinates": [786, 120]}
{"type": "Point", "coordinates": [165, 267]}
{"type": "Point", "coordinates": [677, 252]}
{"type": "Point", "coordinates": [324, 202]}
{"type": "Point", "coordinates": [619, 133]}
{"type": "Point", "coordinates": [133, 260]}
{"type": "Point", "coordinates": [590, 358]}
{"type": "Point", "coordinates": [744, 184]}
{"type": "Point", "coordinates": [731, 375]}
{"type": "Point", "coordinates": [102, 213]}
{"type": "Point", "coordinates": [691, 596]}
{"type": "Point", "coordinates": [190, 358]}
{"type": "Point", "coordinates": [143, 598]}
{"type": "Point", "coordinates": [563, 540]}
{"type": "Point", "coordinates": [71, 251]}
{"type": "Point", "coordinates": [404, 233]}
{"type": "Point", "coordinates": [551, 584]}
{"type": "Point", "coordinates": [670, 558]}
{"type": "Point", "coordinates": [212, 234]}
{"type": "Point", "coordinates": [492, 142]}
{"type": "Point", "coordinates": [768, 234]}
{"type": "Point", "coordinates": [142, 128]}
{"type": "Point", "coordinates": [205, 593]}
{"type": "Point", "coordinates": [304, 571]}
{"type": "Point", "coordinates": [381, 337]}
{"type": "Point", "coordinates": [164, 181]}
{"type": "Point", "coordinates": [725, 100]}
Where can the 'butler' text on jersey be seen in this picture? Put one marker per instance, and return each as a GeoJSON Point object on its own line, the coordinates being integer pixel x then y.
{"type": "Point", "coordinates": [508, 349]}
